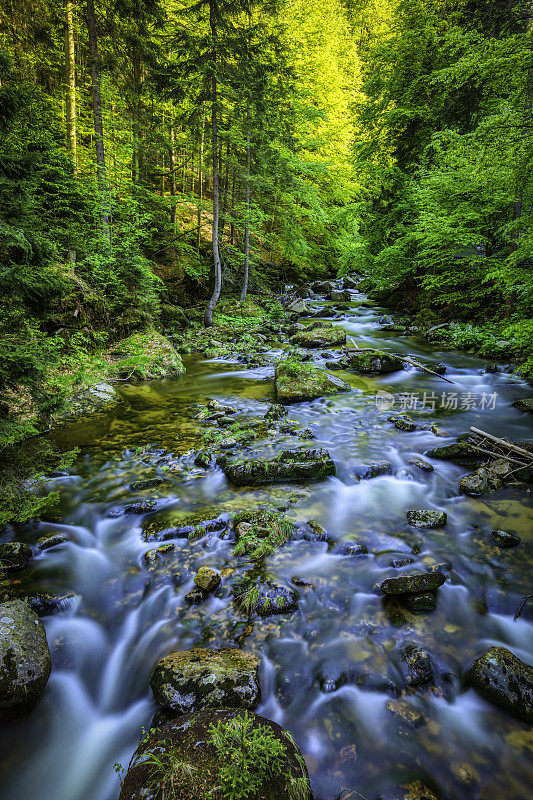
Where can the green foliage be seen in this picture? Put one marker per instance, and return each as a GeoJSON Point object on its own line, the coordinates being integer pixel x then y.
{"type": "Point", "coordinates": [249, 755]}
{"type": "Point", "coordinates": [260, 533]}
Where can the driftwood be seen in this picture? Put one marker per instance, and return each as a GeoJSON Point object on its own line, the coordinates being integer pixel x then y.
{"type": "Point", "coordinates": [437, 327]}
{"type": "Point", "coordinates": [402, 358]}
{"type": "Point", "coordinates": [522, 606]}
{"type": "Point", "coordinates": [503, 444]}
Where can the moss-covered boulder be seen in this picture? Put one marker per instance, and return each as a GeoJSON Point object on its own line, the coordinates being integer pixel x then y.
{"type": "Point", "coordinates": [296, 381]}
{"type": "Point", "coordinates": [287, 467]}
{"type": "Point", "coordinates": [267, 599]}
{"type": "Point", "coordinates": [192, 680]}
{"type": "Point", "coordinates": [319, 337]}
{"type": "Point", "coordinates": [147, 355]}
{"type": "Point", "coordinates": [14, 555]}
{"type": "Point", "coordinates": [217, 753]}
{"type": "Point", "coordinates": [412, 583]}
{"type": "Point", "coordinates": [207, 579]}
{"type": "Point", "coordinates": [24, 659]}
{"type": "Point", "coordinates": [423, 518]}
{"type": "Point", "coordinates": [525, 404]}
{"type": "Point", "coordinates": [505, 539]}
{"type": "Point", "coordinates": [100, 398]}
{"type": "Point", "coordinates": [374, 361]}
{"type": "Point", "coordinates": [460, 452]}
{"type": "Point", "coordinates": [504, 680]}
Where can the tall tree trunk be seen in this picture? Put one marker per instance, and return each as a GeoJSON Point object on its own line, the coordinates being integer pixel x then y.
{"type": "Point", "coordinates": [135, 156]}
{"type": "Point", "coordinates": [173, 214]}
{"type": "Point", "coordinates": [232, 213]}
{"type": "Point", "coordinates": [200, 182]}
{"type": "Point", "coordinates": [98, 124]}
{"type": "Point", "coordinates": [226, 188]}
{"type": "Point", "coordinates": [217, 270]}
{"type": "Point", "coordinates": [70, 69]}
{"type": "Point", "coordinates": [247, 220]}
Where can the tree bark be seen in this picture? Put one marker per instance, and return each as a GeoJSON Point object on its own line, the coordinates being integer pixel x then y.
{"type": "Point", "coordinates": [200, 182]}
{"type": "Point", "coordinates": [208, 316]}
{"type": "Point", "coordinates": [173, 210]}
{"type": "Point", "coordinates": [70, 69]}
{"type": "Point", "coordinates": [98, 123]}
{"type": "Point", "coordinates": [247, 220]}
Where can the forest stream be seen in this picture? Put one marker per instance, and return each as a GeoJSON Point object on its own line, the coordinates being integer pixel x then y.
{"type": "Point", "coordinates": [329, 671]}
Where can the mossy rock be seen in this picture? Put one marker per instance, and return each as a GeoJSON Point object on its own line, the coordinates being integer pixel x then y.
{"type": "Point", "coordinates": [147, 355]}
{"type": "Point", "coordinates": [196, 679]}
{"type": "Point", "coordinates": [94, 400]}
{"type": "Point", "coordinates": [14, 555]}
{"type": "Point", "coordinates": [462, 453]}
{"type": "Point", "coordinates": [208, 753]}
{"type": "Point", "coordinates": [525, 404]}
{"type": "Point", "coordinates": [412, 583]}
{"type": "Point", "coordinates": [423, 518]}
{"type": "Point", "coordinates": [505, 681]}
{"type": "Point", "coordinates": [296, 381]}
{"type": "Point", "coordinates": [288, 466]}
{"type": "Point", "coordinates": [375, 361]}
{"type": "Point", "coordinates": [319, 337]}
{"type": "Point", "coordinates": [25, 662]}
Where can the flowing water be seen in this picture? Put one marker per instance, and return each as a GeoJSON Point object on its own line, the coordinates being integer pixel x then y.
{"type": "Point", "coordinates": [328, 669]}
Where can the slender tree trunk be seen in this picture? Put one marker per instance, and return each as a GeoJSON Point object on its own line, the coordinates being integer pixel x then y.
{"type": "Point", "coordinates": [135, 156]}
{"type": "Point", "coordinates": [70, 69]}
{"type": "Point", "coordinates": [208, 316]}
{"type": "Point", "coordinates": [247, 220]}
{"type": "Point", "coordinates": [226, 188]}
{"type": "Point", "coordinates": [200, 181]}
{"type": "Point", "coordinates": [98, 124]}
{"type": "Point", "coordinates": [232, 214]}
{"type": "Point", "coordinates": [173, 214]}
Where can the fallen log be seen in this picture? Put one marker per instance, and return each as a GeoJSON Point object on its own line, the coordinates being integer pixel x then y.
{"type": "Point", "coordinates": [502, 443]}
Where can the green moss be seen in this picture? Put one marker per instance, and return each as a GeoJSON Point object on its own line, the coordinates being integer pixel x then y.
{"type": "Point", "coordinates": [260, 532]}
{"type": "Point", "coordinates": [147, 355]}
{"type": "Point", "coordinates": [297, 381]}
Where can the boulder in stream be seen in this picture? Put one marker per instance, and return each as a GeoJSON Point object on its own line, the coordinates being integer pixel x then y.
{"type": "Point", "coordinates": [192, 680]}
{"type": "Point", "coordinates": [214, 753]}
{"type": "Point", "coordinates": [296, 381]}
{"type": "Point", "coordinates": [288, 466]}
{"type": "Point", "coordinates": [14, 555]}
{"type": "Point", "coordinates": [374, 361]}
{"type": "Point", "coordinates": [412, 583]}
{"type": "Point", "coordinates": [423, 518]}
{"type": "Point", "coordinates": [207, 579]}
{"type": "Point", "coordinates": [319, 337]}
{"type": "Point", "coordinates": [505, 539]}
{"type": "Point", "coordinates": [504, 680]}
{"type": "Point", "coordinates": [525, 404]}
{"type": "Point", "coordinates": [460, 452]}
{"type": "Point", "coordinates": [25, 662]}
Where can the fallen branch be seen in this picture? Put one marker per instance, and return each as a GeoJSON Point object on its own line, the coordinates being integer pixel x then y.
{"type": "Point", "coordinates": [437, 327]}
{"type": "Point", "coordinates": [521, 606]}
{"type": "Point", "coordinates": [503, 443]}
{"type": "Point", "coordinates": [402, 358]}
{"type": "Point", "coordinates": [499, 455]}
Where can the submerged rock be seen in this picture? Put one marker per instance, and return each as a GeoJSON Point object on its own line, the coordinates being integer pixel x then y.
{"type": "Point", "coordinates": [209, 752]}
{"type": "Point", "coordinates": [288, 466]}
{"type": "Point", "coordinates": [295, 381]}
{"type": "Point", "coordinates": [375, 361]}
{"type": "Point", "coordinates": [420, 603]}
{"type": "Point", "coordinates": [413, 583]}
{"type": "Point", "coordinates": [406, 713]}
{"type": "Point", "coordinates": [421, 464]}
{"type": "Point", "coordinates": [14, 555]}
{"type": "Point", "coordinates": [46, 542]}
{"type": "Point", "coordinates": [367, 471]}
{"type": "Point", "coordinates": [505, 538]}
{"type": "Point", "coordinates": [192, 680]}
{"type": "Point", "coordinates": [415, 665]}
{"type": "Point", "coordinates": [25, 662]}
{"type": "Point", "coordinates": [351, 549]}
{"type": "Point", "coordinates": [319, 337]}
{"type": "Point", "coordinates": [422, 518]}
{"type": "Point", "coordinates": [268, 599]}
{"type": "Point", "coordinates": [504, 680]}
{"type": "Point", "coordinates": [403, 424]}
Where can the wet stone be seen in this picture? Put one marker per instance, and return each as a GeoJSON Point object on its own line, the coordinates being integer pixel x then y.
{"type": "Point", "coordinates": [207, 579]}
{"type": "Point", "coordinates": [420, 603]}
{"type": "Point", "coordinates": [406, 713]}
{"type": "Point", "coordinates": [524, 404]}
{"type": "Point", "coordinates": [192, 680]}
{"type": "Point", "coordinates": [274, 599]}
{"type": "Point", "coordinates": [196, 596]}
{"type": "Point", "coordinates": [14, 555]}
{"type": "Point", "coordinates": [351, 549]}
{"type": "Point", "coordinates": [403, 424]}
{"type": "Point", "coordinates": [367, 471]}
{"type": "Point", "coordinates": [47, 542]}
{"type": "Point", "coordinates": [505, 539]}
{"type": "Point", "coordinates": [25, 662]}
{"type": "Point", "coordinates": [153, 556]}
{"type": "Point", "coordinates": [421, 518]}
{"type": "Point", "coordinates": [46, 603]}
{"type": "Point", "coordinates": [404, 561]}
{"type": "Point", "coordinates": [421, 464]}
{"type": "Point", "coordinates": [147, 484]}
{"type": "Point", "coordinates": [413, 583]}
{"type": "Point", "coordinates": [311, 532]}
{"type": "Point", "coordinates": [505, 681]}
{"type": "Point", "coordinates": [288, 466]}
{"type": "Point", "coordinates": [415, 665]}
{"type": "Point", "coordinates": [374, 362]}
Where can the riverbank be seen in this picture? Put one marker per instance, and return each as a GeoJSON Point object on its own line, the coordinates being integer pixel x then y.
{"type": "Point", "coordinates": [317, 536]}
